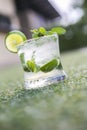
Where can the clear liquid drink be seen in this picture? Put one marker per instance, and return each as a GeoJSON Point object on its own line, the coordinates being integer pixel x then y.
{"type": "Point", "coordinates": [40, 58]}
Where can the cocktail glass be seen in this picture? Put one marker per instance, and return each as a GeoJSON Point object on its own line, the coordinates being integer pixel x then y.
{"type": "Point", "coordinates": [40, 59]}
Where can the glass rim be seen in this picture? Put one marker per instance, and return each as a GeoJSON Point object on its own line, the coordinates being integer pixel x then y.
{"type": "Point", "coordinates": [33, 39]}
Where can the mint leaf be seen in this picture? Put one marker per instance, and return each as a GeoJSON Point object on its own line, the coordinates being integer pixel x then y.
{"type": "Point", "coordinates": [32, 67]}
{"type": "Point", "coordinates": [22, 58]}
{"type": "Point", "coordinates": [49, 65]}
{"type": "Point", "coordinates": [35, 33]}
{"type": "Point", "coordinates": [34, 30]}
{"type": "Point", "coordinates": [43, 32]}
{"type": "Point", "coordinates": [49, 33]}
{"type": "Point", "coordinates": [58, 30]}
{"type": "Point", "coordinates": [23, 62]}
{"type": "Point", "coordinates": [38, 32]}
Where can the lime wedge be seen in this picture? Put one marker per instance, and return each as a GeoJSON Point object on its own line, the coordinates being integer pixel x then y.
{"type": "Point", "coordinates": [13, 39]}
{"type": "Point", "coordinates": [49, 66]}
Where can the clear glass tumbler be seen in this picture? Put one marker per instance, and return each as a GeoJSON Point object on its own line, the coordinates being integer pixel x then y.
{"type": "Point", "coordinates": [40, 58]}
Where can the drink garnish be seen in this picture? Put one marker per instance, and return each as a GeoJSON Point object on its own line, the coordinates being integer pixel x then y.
{"type": "Point", "coordinates": [13, 39]}
{"type": "Point", "coordinates": [50, 65]}
{"type": "Point", "coordinates": [43, 32]}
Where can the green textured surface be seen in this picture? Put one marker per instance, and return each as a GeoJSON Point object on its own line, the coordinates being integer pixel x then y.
{"type": "Point", "coordinates": [60, 107]}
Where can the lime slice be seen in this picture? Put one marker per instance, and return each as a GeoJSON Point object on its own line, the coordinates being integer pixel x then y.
{"type": "Point", "coordinates": [49, 66]}
{"type": "Point", "coordinates": [13, 39]}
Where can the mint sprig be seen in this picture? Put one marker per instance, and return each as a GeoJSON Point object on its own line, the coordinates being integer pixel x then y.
{"type": "Point", "coordinates": [43, 32]}
{"type": "Point", "coordinates": [32, 67]}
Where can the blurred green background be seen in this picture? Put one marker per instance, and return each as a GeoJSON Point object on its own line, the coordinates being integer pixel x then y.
{"type": "Point", "coordinates": [76, 35]}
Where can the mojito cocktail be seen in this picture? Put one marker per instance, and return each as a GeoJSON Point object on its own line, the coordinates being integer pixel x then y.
{"type": "Point", "coordinates": [39, 56]}
{"type": "Point", "coordinates": [40, 59]}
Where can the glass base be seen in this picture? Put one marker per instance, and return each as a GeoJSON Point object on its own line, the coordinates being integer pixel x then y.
{"type": "Point", "coordinates": [40, 79]}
